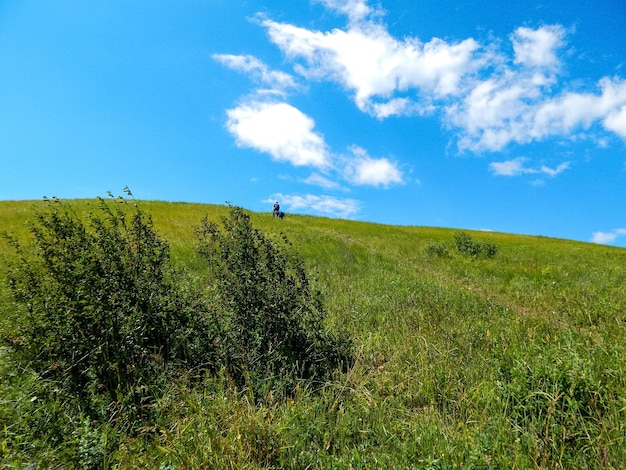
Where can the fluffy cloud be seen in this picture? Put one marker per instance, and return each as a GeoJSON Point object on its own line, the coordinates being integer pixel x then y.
{"type": "Point", "coordinates": [503, 106]}
{"type": "Point", "coordinates": [490, 99]}
{"type": "Point", "coordinates": [288, 135]}
{"type": "Point", "coordinates": [365, 170]}
{"type": "Point", "coordinates": [605, 238]}
{"type": "Point", "coordinates": [563, 114]}
{"type": "Point", "coordinates": [515, 108]}
{"type": "Point", "coordinates": [373, 65]}
{"type": "Point", "coordinates": [616, 121]}
{"type": "Point", "coordinates": [280, 130]}
{"type": "Point", "coordinates": [537, 47]}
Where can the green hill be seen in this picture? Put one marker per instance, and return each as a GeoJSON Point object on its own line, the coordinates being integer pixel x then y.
{"type": "Point", "coordinates": [516, 360]}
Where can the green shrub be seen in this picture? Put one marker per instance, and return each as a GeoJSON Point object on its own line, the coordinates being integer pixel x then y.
{"type": "Point", "coordinates": [468, 247]}
{"type": "Point", "coordinates": [106, 316]}
{"type": "Point", "coordinates": [273, 332]}
{"type": "Point", "coordinates": [437, 249]}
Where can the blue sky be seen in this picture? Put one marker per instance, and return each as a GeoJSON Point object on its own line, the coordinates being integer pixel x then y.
{"type": "Point", "coordinates": [489, 115]}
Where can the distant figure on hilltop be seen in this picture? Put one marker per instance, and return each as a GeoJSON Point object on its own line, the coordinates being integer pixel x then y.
{"type": "Point", "coordinates": [277, 212]}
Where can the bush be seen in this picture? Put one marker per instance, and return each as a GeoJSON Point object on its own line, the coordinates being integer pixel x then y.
{"type": "Point", "coordinates": [273, 332]}
{"type": "Point", "coordinates": [106, 318]}
{"type": "Point", "coordinates": [468, 247]}
{"type": "Point", "coordinates": [108, 323]}
{"type": "Point", "coordinates": [437, 249]}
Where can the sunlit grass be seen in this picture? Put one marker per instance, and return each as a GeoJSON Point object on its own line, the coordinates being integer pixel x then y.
{"type": "Point", "coordinates": [518, 361]}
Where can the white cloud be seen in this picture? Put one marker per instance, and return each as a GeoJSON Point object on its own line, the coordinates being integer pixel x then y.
{"type": "Point", "coordinates": [537, 47]}
{"type": "Point", "coordinates": [491, 100]}
{"type": "Point", "coordinates": [616, 121]}
{"type": "Point", "coordinates": [318, 180]}
{"type": "Point", "coordinates": [310, 203]}
{"type": "Point", "coordinates": [393, 107]}
{"type": "Point", "coordinates": [356, 10]}
{"type": "Point", "coordinates": [494, 112]}
{"type": "Point", "coordinates": [554, 171]}
{"type": "Point", "coordinates": [563, 114]}
{"type": "Point", "coordinates": [362, 169]}
{"type": "Point", "coordinates": [280, 130]}
{"type": "Point", "coordinates": [516, 167]}
{"type": "Point", "coordinates": [516, 108]}
{"type": "Point", "coordinates": [510, 168]}
{"type": "Point", "coordinates": [605, 238]}
{"type": "Point", "coordinates": [259, 71]}
{"type": "Point", "coordinates": [288, 135]}
{"type": "Point", "coordinates": [373, 65]}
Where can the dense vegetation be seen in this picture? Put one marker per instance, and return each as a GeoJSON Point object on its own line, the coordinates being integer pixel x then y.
{"type": "Point", "coordinates": [473, 349]}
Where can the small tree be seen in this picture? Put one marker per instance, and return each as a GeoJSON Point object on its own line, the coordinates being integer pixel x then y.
{"type": "Point", "coordinates": [273, 324]}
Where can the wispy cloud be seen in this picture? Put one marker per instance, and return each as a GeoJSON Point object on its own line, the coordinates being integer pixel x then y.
{"type": "Point", "coordinates": [315, 204]}
{"type": "Point", "coordinates": [278, 81]}
{"type": "Point", "coordinates": [605, 238]}
{"type": "Point", "coordinates": [316, 179]}
{"type": "Point", "coordinates": [554, 171]}
{"type": "Point", "coordinates": [355, 10]}
{"type": "Point", "coordinates": [517, 166]}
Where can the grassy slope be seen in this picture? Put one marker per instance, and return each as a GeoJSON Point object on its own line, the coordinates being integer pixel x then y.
{"type": "Point", "coordinates": [513, 362]}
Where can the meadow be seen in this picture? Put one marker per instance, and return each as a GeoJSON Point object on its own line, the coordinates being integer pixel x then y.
{"type": "Point", "coordinates": [515, 360]}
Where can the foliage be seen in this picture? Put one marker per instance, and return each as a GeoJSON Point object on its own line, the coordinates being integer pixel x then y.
{"type": "Point", "coordinates": [273, 333]}
{"type": "Point", "coordinates": [468, 247]}
{"type": "Point", "coordinates": [437, 249]}
{"type": "Point", "coordinates": [106, 317]}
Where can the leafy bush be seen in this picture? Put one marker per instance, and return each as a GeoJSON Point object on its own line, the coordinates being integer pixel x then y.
{"type": "Point", "coordinates": [468, 247]}
{"type": "Point", "coordinates": [107, 317]}
{"type": "Point", "coordinates": [273, 330]}
{"type": "Point", "coordinates": [437, 249]}
{"type": "Point", "coordinates": [108, 322]}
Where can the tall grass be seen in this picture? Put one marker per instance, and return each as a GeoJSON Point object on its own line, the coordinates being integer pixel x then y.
{"type": "Point", "coordinates": [514, 361]}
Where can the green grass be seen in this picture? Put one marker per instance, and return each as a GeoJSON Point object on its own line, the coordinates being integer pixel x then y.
{"type": "Point", "coordinates": [517, 361]}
